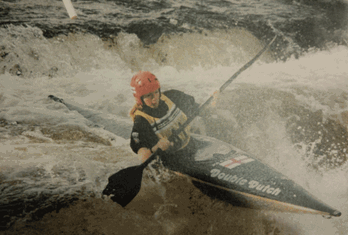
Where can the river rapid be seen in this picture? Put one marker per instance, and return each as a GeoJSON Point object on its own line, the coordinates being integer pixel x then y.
{"type": "Point", "coordinates": [289, 109]}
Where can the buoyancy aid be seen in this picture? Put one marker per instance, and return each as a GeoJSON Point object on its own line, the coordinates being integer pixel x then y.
{"type": "Point", "coordinates": [170, 122]}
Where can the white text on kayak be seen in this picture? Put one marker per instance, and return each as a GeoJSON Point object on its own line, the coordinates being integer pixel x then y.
{"type": "Point", "coordinates": [253, 184]}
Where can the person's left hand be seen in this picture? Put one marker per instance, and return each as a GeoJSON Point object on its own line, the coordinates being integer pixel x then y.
{"type": "Point", "coordinates": [215, 98]}
{"type": "Point", "coordinates": [164, 143]}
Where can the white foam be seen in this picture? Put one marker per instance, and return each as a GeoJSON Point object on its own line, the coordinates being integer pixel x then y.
{"type": "Point", "coordinates": [311, 79]}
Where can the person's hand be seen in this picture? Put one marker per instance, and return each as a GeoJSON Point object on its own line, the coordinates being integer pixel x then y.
{"type": "Point", "coordinates": [164, 143]}
{"type": "Point", "coordinates": [215, 98]}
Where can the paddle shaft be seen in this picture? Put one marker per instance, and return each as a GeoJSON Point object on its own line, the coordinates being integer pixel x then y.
{"type": "Point", "coordinates": [206, 103]}
{"type": "Point", "coordinates": [223, 87]}
{"type": "Point", "coordinates": [150, 159]}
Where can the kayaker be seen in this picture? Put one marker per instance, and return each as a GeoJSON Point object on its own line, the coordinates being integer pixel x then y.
{"type": "Point", "coordinates": [156, 115]}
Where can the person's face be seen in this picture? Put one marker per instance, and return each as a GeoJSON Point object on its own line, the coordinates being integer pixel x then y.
{"type": "Point", "coordinates": [152, 99]}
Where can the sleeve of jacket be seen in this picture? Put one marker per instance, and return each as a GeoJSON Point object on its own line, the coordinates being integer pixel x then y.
{"type": "Point", "coordinates": [142, 135]}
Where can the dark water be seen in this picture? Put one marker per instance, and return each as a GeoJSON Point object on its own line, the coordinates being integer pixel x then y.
{"type": "Point", "coordinates": [290, 109]}
{"type": "Point", "coordinates": [303, 24]}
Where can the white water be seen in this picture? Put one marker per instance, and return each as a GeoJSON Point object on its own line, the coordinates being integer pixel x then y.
{"type": "Point", "coordinates": [98, 79]}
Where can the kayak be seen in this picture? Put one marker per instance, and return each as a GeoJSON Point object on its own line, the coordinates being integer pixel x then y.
{"type": "Point", "coordinates": [229, 174]}
{"type": "Point", "coordinates": [226, 173]}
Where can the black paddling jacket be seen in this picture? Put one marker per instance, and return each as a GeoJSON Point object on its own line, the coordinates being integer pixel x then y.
{"type": "Point", "coordinates": [143, 134]}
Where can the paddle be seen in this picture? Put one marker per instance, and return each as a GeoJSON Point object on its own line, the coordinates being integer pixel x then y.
{"type": "Point", "coordinates": [125, 184]}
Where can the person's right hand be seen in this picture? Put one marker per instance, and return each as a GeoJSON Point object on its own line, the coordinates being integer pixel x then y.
{"type": "Point", "coordinates": [215, 98]}
{"type": "Point", "coordinates": [164, 143]}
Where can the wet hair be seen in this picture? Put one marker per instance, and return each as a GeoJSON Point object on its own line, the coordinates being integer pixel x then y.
{"type": "Point", "coordinates": [134, 109]}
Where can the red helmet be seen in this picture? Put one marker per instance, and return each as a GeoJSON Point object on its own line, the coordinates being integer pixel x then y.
{"type": "Point", "coordinates": [143, 83]}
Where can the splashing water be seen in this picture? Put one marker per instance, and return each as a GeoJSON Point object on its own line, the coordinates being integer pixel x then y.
{"type": "Point", "coordinates": [292, 115]}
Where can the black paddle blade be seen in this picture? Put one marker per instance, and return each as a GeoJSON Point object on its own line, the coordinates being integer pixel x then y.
{"type": "Point", "coordinates": [124, 185]}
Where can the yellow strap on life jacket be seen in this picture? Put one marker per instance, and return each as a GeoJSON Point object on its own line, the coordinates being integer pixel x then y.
{"type": "Point", "coordinates": [168, 123]}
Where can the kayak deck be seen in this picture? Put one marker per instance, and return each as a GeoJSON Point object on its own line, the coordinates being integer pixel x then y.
{"type": "Point", "coordinates": [226, 173]}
